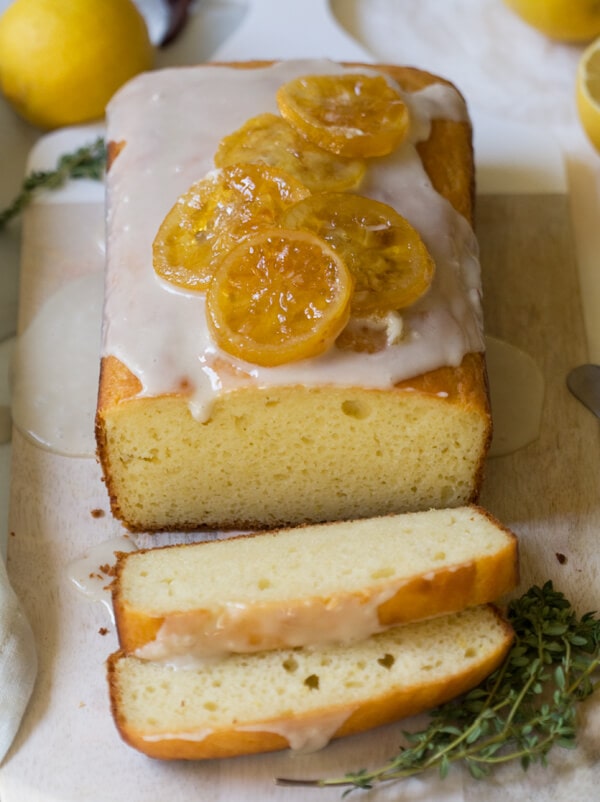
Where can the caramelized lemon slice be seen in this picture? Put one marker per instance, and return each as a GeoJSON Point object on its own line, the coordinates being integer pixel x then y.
{"type": "Point", "coordinates": [269, 139]}
{"type": "Point", "coordinates": [389, 261]}
{"type": "Point", "coordinates": [214, 214]}
{"type": "Point", "coordinates": [278, 297]}
{"type": "Point", "coordinates": [351, 114]}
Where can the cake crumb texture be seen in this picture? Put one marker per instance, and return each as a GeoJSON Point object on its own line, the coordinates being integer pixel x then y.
{"type": "Point", "coordinates": [293, 455]}
{"type": "Point", "coordinates": [213, 712]}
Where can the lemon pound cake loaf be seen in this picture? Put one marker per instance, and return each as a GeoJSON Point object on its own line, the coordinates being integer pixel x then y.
{"type": "Point", "coordinates": [302, 698]}
{"type": "Point", "coordinates": [309, 585]}
{"type": "Point", "coordinates": [292, 325]}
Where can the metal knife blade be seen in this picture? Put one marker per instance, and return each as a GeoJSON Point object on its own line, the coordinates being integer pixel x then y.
{"type": "Point", "coordinates": [584, 383]}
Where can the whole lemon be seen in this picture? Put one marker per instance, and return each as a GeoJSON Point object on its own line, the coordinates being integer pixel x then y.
{"type": "Point", "coordinates": [564, 20]}
{"type": "Point", "coordinates": [62, 60]}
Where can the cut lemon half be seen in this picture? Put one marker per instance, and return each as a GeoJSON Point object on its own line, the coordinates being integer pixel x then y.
{"type": "Point", "coordinates": [269, 139]}
{"type": "Point", "coordinates": [279, 296]}
{"type": "Point", "coordinates": [214, 214]}
{"type": "Point", "coordinates": [588, 92]}
{"type": "Point", "coordinates": [389, 261]}
{"type": "Point", "coordinates": [353, 115]}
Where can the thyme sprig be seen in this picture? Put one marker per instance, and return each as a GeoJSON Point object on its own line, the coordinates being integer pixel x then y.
{"type": "Point", "coordinates": [520, 712]}
{"type": "Point", "coordinates": [88, 161]}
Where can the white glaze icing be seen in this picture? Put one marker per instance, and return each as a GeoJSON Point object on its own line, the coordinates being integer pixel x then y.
{"type": "Point", "coordinates": [517, 396]}
{"type": "Point", "coordinates": [56, 369]}
{"type": "Point", "coordinates": [187, 640]}
{"type": "Point", "coordinates": [89, 574]}
{"type": "Point", "coordinates": [303, 737]}
{"type": "Point", "coordinates": [172, 122]}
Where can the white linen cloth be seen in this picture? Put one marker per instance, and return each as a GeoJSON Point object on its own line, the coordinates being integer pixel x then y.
{"type": "Point", "coordinates": [504, 69]}
{"type": "Point", "coordinates": [18, 660]}
{"type": "Point", "coordinates": [18, 663]}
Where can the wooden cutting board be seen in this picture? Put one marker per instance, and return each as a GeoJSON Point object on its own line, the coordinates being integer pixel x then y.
{"type": "Point", "coordinates": [68, 749]}
{"type": "Point", "coordinates": [549, 491]}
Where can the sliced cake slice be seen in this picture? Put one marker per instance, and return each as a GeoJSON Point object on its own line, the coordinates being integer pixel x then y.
{"type": "Point", "coordinates": [302, 698]}
{"type": "Point", "coordinates": [325, 583]}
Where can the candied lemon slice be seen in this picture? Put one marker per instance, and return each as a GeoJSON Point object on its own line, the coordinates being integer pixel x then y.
{"type": "Point", "coordinates": [210, 218]}
{"type": "Point", "coordinates": [278, 297]}
{"type": "Point", "coordinates": [269, 139]}
{"type": "Point", "coordinates": [349, 114]}
{"type": "Point", "coordinates": [391, 265]}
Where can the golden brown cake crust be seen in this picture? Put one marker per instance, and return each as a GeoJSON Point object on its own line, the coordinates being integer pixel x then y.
{"type": "Point", "coordinates": [464, 386]}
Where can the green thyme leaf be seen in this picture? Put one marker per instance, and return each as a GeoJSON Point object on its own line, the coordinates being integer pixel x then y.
{"type": "Point", "coordinates": [519, 713]}
{"type": "Point", "coordinates": [86, 162]}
